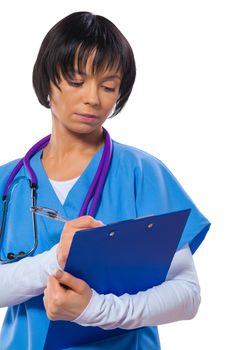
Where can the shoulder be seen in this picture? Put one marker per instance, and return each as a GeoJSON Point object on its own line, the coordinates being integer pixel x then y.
{"type": "Point", "coordinates": [143, 165]}
{"type": "Point", "coordinates": [5, 169]}
{"type": "Point", "coordinates": [134, 156]}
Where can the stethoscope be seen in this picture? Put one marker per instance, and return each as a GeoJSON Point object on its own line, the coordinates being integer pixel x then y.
{"type": "Point", "coordinates": [95, 189]}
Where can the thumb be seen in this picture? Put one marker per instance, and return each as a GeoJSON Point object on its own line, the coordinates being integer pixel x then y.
{"type": "Point", "coordinates": [76, 284]}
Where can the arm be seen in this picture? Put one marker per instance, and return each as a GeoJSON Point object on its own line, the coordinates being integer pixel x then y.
{"type": "Point", "coordinates": [177, 298]}
{"type": "Point", "coordinates": [27, 278]}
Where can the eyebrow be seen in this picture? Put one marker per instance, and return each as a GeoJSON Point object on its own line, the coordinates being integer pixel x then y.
{"type": "Point", "coordinates": [115, 76]}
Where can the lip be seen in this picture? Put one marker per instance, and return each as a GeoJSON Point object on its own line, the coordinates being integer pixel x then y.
{"type": "Point", "coordinates": [87, 115]}
{"type": "Point", "coordinates": [87, 118]}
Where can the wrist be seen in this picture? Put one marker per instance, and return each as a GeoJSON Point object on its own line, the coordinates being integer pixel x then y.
{"type": "Point", "coordinates": [60, 264]}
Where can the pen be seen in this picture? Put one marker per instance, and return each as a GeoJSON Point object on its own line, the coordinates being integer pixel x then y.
{"type": "Point", "coordinates": [48, 212]}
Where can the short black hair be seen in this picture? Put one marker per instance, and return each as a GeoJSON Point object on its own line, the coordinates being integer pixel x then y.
{"type": "Point", "coordinates": [83, 32]}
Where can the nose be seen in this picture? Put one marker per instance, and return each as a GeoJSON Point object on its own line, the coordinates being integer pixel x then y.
{"type": "Point", "coordinates": [90, 94]}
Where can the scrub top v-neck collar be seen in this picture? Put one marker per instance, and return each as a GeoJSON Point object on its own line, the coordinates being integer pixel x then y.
{"type": "Point", "coordinates": [46, 195]}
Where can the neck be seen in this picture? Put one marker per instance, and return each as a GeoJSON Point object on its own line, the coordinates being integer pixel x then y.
{"type": "Point", "coordinates": [65, 144]}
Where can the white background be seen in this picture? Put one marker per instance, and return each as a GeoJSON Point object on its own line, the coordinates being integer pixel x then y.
{"type": "Point", "coordinates": [186, 108]}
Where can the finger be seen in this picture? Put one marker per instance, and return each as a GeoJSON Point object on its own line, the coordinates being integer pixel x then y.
{"type": "Point", "coordinates": [85, 221]}
{"type": "Point", "coordinates": [71, 281]}
{"type": "Point", "coordinates": [53, 284]}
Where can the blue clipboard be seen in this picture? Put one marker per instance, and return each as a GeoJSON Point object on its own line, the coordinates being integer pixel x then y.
{"type": "Point", "coordinates": [123, 257]}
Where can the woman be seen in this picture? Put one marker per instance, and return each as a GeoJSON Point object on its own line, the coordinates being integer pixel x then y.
{"type": "Point", "coordinates": [84, 72]}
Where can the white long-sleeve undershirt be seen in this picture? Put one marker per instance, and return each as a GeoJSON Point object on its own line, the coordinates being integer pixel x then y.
{"type": "Point", "coordinates": [27, 278]}
{"type": "Point", "coordinates": [177, 298]}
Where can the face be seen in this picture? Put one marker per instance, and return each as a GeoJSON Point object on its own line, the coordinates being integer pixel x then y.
{"type": "Point", "coordinates": [84, 94]}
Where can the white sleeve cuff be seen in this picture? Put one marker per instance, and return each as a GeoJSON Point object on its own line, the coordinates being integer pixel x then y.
{"type": "Point", "coordinates": [90, 313]}
{"type": "Point", "coordinates": [50, 261]}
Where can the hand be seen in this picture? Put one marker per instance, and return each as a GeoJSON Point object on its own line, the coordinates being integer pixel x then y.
{"type": "Point", "coordinates": [66, 304]}
{"type": "Point", "coordinates": [70, 228]}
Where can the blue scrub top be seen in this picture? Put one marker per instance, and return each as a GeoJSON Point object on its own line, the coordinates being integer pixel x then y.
{"type": "Point", "coordinates": [137, 184]}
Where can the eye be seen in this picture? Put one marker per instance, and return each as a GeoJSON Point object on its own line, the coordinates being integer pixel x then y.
{"type": "Point", "coordinates": [109, 89]}
{"type": "Point", "coordinates": [74, 83]}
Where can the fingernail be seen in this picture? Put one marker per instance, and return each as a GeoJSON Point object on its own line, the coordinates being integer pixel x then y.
{"type": "Point", "coordinates": [59, 274]}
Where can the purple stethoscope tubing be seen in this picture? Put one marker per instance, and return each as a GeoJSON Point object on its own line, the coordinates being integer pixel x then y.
{"type": "Point", "coordinates": [95, 190]}
{"type": "Point", "coordinates": [97, 185]}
